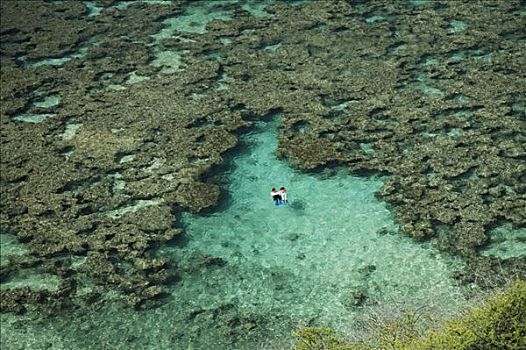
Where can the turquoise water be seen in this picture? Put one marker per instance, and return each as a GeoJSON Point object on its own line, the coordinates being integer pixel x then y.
{"type": "Point", "coordinates": [252, 272]}
{"type": "Point", "coordinates": [506, 242]}
{"type": "Point", "coordinates": [312, 256]}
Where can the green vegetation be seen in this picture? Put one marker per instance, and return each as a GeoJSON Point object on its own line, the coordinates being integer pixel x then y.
{"type": "Point", "coordinates": [498, 323]}
{"type": "Point", "coordinates": [319, 339]}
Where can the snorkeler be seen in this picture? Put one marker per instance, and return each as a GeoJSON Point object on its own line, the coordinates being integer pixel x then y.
{"type": "Point", "coordinates": [276, 196]}
{"type": "Point", "coordinates": [284, 195]}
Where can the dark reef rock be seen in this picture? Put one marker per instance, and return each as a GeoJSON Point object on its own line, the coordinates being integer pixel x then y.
{"type": "Point", "coordinates": [437, 109]}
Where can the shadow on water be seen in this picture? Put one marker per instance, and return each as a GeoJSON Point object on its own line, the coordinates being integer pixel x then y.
{"type": "Point", "coordinates": [298, 205]}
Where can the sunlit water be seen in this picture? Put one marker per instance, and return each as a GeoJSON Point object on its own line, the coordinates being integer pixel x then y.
{"type": "Point", "coordinates": [320, 261]}
{"type": "Point", "coordinates": [309, 257]}
{"type": "Point", "coordinates": [252, 272]}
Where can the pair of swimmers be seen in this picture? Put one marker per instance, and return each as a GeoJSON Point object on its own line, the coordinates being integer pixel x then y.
{"type": "Point", "coordinates": [280, 197]}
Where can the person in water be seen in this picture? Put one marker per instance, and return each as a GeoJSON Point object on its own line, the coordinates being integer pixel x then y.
{"type": "Point", "coordinates": [276, 196]}
{"type": "Point", "coordinates": [284, 195]}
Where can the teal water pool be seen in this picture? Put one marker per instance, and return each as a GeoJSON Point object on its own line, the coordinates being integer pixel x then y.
{"type": "Point", "coordinates": [141, 97]}
{"type": "Point", "coordinates": [312, 260]}
{"type": "Point", "coordinates": [252, 272]}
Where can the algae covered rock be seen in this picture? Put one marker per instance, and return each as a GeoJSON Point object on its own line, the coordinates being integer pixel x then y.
{"type": "Point", "coordinates": [197, 196]}
{"type": "Point", "coordinates": [134, 137]}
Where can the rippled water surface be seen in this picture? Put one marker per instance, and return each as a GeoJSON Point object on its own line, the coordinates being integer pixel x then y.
{"type": "Point", "coordinates": [254, 271]}
{"type": "Point", "coordinates": [250, 272]}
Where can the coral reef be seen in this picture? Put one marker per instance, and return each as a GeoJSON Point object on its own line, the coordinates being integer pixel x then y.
{"type": "Point", "coordinates": [107, 190]}
{"type": "Point", "coordinates": [437, 104]}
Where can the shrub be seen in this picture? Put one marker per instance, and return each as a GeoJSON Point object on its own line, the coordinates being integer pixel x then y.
{"type": "Point", "coordinates": [498, 323]}
{"type": "Point", "coordinates": [319, 339]}
{"type": "Point", "coordinates": [392, 328]}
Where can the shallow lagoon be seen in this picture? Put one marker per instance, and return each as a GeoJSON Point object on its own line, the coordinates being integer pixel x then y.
{"type": "Point", "coordinates": [252, 271]}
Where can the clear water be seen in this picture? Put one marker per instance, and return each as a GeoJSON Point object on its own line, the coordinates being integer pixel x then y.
{"type": "Point", "coordinates": [457, 26]}
{"type": "Point", "coordinates": [33, 279]}
{"type": "Point", "coordinates": [322, 261]}
{"type": "Point", "coordinates": [40, 102]}
{"type": "Point", "coordinates": [323, 242]}
{"type": "Point", "coordinates": [252, 272]}
{"type": "Point", "coordinates": [10, 246]}
{"type": "Point", "coordinates": [506, 242]}
{"type": "Point", "coordinates": [32, 118]}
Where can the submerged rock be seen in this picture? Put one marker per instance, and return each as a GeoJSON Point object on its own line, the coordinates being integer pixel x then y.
{"type": "Point", "coordinates": [437, 110]}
